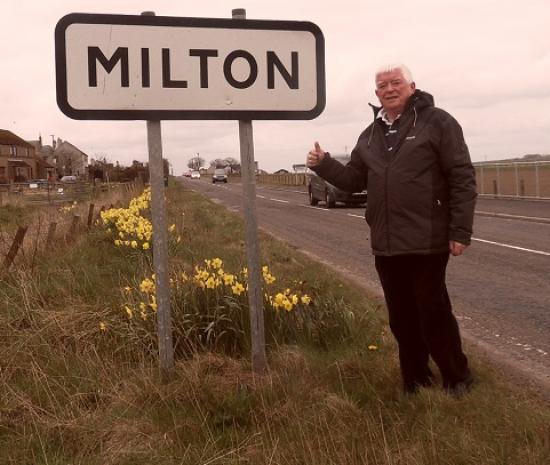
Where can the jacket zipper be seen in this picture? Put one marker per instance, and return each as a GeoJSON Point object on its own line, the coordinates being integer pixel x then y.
{"type": "Point", "coordinates": [387, 210]}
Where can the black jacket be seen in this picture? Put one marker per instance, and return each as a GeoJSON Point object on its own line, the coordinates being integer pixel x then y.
{"type": "Point", "coordinates": [422, 192]}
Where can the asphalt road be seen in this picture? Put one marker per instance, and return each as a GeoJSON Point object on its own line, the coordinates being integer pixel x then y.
{"type": "Point", "coordinates": [500, 288]}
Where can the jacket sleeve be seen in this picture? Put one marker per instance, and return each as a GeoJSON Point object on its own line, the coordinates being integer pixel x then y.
{"type": "Point", "coordinates": [350, 178]}
{"type": "Point", "coordinates": [460, 174]}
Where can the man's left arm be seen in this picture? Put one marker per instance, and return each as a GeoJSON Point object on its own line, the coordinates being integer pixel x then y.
{"type": "Point", "coordinates": [459, 171]}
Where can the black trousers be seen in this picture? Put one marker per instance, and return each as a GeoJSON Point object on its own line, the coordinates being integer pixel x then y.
{"type": "Point", "coordinates": [421, 318]}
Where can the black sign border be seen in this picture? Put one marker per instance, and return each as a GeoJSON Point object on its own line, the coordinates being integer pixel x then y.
{"type": "Point", "coordinates": [89, 18]}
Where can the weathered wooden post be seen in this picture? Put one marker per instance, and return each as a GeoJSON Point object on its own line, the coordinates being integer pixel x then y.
{"type": "Point", "coordinates": [74, 226]}
{"type": "Point", "coordinates": [15, 246]}
{"type": "Point", "coordinates": [255, 298]}
{"type": "Point", "coordinates": [160, 245]}
{"type": "Point", "coordinates": [90, 215]}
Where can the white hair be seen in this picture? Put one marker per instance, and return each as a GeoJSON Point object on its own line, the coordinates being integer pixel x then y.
{"type": "Point", "coordinates": [393, 67]}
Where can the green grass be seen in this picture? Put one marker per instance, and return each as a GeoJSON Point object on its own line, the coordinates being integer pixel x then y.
{"type": "Point", "coordinates": [70, 393]}
{"type": "Point", "coordinates": [12, 216]}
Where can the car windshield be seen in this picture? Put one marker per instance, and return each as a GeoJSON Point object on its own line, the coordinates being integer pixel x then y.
{"type": "Point", "coordinates": [219, 171]}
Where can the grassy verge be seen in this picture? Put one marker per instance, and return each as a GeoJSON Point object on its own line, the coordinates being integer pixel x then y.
{"type": "Point", "coordinates": [12, 216]}
{"type": "Point", "coordinates": [71, 392]}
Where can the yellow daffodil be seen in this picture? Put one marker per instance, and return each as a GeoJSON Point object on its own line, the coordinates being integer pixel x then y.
{"type": "Point", "coordinates": [129, 312]}
{"type": "Point", "coordinates": [147, 286]}
{"type": "Point", "coordinates": [373, 347]}
{"type": "Point", "coordinates": [237, 288]}
{"type": "Point", "coordinates": [102, 326]}
{"type": "Point", "coordinates": [228, 279]}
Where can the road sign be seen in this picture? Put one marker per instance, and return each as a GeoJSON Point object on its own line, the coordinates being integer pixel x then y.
{"type": "Point", "coordinates": [124, 67]}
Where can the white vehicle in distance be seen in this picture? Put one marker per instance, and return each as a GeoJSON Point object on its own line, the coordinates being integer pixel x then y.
{"type": "Point", "coordinates": [219, 175]}
{"type": "Point", "coordinates": [195, 174]}
{"type": "Point", "coordinates": [68, 179]}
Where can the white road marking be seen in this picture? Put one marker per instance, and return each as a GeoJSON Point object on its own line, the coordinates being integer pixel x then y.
{"type": "Point", "coordinates": [315, 208]}
{"type": "Point", "coordinates": [282, 201]}
{"type": "Point", "coordinates": [523, 249]}
{"type": "Point", "coordinates": [519, 217]}
{"type": "Point", "coordinates": [260, 196]}
{"type": "Point", "coordinates": [500, 244]}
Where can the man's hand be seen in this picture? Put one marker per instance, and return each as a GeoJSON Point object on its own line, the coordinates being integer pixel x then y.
{"type": "Point", "coordinates": [315, 156]}
{"type": "Point", "coordinates": [456, 248]}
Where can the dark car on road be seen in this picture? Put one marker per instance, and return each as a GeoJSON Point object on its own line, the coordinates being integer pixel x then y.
{"type": "Point", "coordinates": [320, 190]}
{"type": "Point", "coordinates": [219, 175]}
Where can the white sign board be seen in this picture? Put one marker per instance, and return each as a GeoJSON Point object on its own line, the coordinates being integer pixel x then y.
{"type": "Point", "coordinates": [155, 67]}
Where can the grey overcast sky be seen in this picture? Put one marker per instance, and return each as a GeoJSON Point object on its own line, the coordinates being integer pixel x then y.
{"type": "Point", "coordinates": [487, 62]}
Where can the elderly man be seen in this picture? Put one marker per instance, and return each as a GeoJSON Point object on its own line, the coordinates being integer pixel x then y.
{"type": "Point", "coordinates": [421, 197]}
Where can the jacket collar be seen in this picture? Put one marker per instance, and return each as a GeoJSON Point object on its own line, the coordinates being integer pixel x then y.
{"type": "Point", "coordinates": [418, 100]}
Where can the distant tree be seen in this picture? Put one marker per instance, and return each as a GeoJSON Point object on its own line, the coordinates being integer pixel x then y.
{"type": "Point", "coordinates": [233, 164]}
{"type": "Point", "coordinates": [195, 163]}
{"type": "Point", "coordinates": [218, 163]}
{"type": "Point", "coordinates": [166, 166]}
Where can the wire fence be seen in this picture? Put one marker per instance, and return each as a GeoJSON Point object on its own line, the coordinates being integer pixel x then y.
{"type": "Point", "coordinates": [521, 179]}
{"type": "Point", "coordinates": [514, 179]}
{"type": "Point", "coordinates": [49, 193]}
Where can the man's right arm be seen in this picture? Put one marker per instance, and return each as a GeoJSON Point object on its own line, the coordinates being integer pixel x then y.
{"type": "Point", "coordinates": [351, 177]}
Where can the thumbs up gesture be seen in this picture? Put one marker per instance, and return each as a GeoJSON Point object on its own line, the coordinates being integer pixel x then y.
{"type": "Point", "coordinates": [315, 156]}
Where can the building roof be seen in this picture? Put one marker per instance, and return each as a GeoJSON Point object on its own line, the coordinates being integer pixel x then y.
{"type": "Point", "coordinates": [9, 138]}
{"type": "Point", "coordinates": [63, 145]}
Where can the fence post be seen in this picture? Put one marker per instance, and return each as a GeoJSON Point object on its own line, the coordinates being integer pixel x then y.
{"type": "Point", "coordinates": [517, 179]}
{"type": "Point", "coordinates": [74, 225]}
{"type": "Point", "coordinates": [17, 241]}
{"type": "Point", "coordinates": [482, 181]}
{"type": "Point", "coordinates": [51, 234]}
{"type": "Point", "coordinates": [91, 215]}
{"type": "Point", "coordinates": [537, 184]}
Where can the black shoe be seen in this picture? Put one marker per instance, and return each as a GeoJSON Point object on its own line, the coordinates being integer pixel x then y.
{"type": "Point", "coordinates": [412, 387]}
{"type": "Point", "coordinates": [461, 388]}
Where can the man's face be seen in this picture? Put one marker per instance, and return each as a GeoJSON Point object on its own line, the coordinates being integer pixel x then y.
{"type": "Point", "coordinates": [393, 91]}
